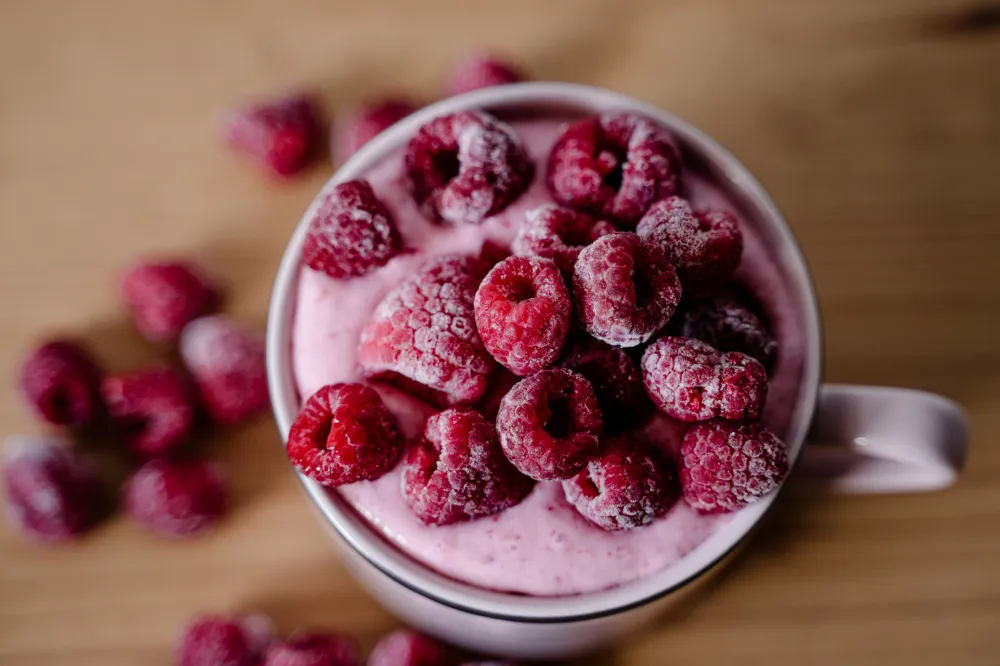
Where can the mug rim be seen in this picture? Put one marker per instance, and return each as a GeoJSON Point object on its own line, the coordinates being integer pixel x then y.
{"type": "Point", "coordinates": [467, 597]}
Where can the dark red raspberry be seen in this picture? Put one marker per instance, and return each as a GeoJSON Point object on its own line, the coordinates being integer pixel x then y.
{"type": "Point", "coordinates": [222, 641]}
{"type": "Point", "coordinates": [423, 335]}
{"type": "Point", "coordinates": [458, 471]}
{"type": "Point", "coordinates": [625, 288]}
{"type": "Point", "coordinates": [313, 648]}
{"type": "Point", "coordinates": [615, 378]}
{"type": "Point", "coordinates": [228, 366]}
{"type": "Point", "coordinates": [481, 71]}
{"type": "Point", "coordinates": [728, 324]}
{"type": "Point", "coordinates": [367, 122]}
{"type": "Point", "coordinates": [549, 424]}
{"type": "Point", "coordinates": [626, 487]}
{"type": "Point", "coordinates": [282, 134]}
{"type": "Point", "coordinates": [725, 466]}
{"type": "Point", "coordinates": [176, 498]}
{"type": "Point", "coordinates": [62, 382]}
{"type": "Point", "coordinates": [408, 648]}
{"type": "Point", "coordinates": [559, 234]}
{"type": "Point", "coordinates": [351, 232]}
{"type": "Point", "coordinates": [344, 434]}
{"type": "Point", "coordinates": [163, 297]}
{"type": "Point", "coordinates": [614, 166]}
{"type": "Point", "coordinates": [488, 663]}
{"type": "Point", "coordinates": [152, 409]}
{"type": "Point", "coordinates": [692, 381]}
{"type": "Point", "coordinates": [705, 246]}
{"type": "Point", "coordinates": [464, 167]}
{"type": "Point", "coordinates": [523, 310]}
{"type": "Point", "coordinates": [53, 492]}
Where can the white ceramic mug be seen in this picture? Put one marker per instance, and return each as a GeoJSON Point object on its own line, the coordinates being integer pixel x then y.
{"type": "Point", "coordinates": [874, 439]}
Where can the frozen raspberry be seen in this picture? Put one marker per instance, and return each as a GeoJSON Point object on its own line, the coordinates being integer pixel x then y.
{"type": "Point", "coordinates": [344, 434]}
{"type": "Point", "coordinates": [313, 648]}
{"type": "Point", "coordinates": [62, 382]}
{"type": "Point", "coordinates": [726, 466]}
{"type": "Point", "coordinates": [408, 648]}
{"type": "Point", "coordinates": [282, 134]}
{"type": "Point", "coordinates": [625, 288]}
{"type": "Point", "coordinates": [152, 409]}
{"type": "Point", "coordinates": [523, 310]}
{"type": "Point", "coordinates": [464, 167]}
{"type": "Point", "coordinates": [176, 498]}
{"type": "Point", "coordinates": [222, 641]}
{"type": "Point", "coordinates": [549, 424]}
{"type": "Point", "coordinates": [615, 378]}
{"type": "Point", "coordinates": [614, 166]}
{"type": "Point", "coordinates": [162, 297]}
{"type": "Point", "coordinates": [367, 122]}
{"type": "Point", "coordinates": [228, 366]}
{"type": "Point", "coordinates": [692, 381]}
{"type": "Point", "coordinates": [559, 234]}
{"type": "Point", "coordinates": [458, 471]}
{"type": "Point", "coordinates": [423, 335]}
{"type": "Point", "coordinates": [351, 232]}
{"type": "Point", "coordinates": [53, 492]}
{"type": "Point", "coordinates": [625, 487]}
{"type": "Point", "coordinates": [481, 71]}
{"type": "Point", "coordinates": [728, 324]}
{"type": "Point", "coordinates": [705, 246]}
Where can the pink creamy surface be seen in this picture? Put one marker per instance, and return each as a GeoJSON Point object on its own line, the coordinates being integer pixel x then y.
{"type": "Point", "coordinates": [542, 546]}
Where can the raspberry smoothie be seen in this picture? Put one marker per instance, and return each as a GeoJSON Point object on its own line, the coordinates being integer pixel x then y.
{"type": "Point", "coordinates": [542, 545]}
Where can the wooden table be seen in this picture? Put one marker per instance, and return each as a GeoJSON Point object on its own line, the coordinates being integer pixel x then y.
{"type": "Point", "coordinates": [875, 124]}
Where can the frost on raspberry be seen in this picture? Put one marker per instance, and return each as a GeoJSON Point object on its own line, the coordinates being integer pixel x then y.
{"type": "Point", "coordinates": [153, 410]}
{"type": "Point", "coordinates": [625, 289]}
{"type": "Point", "coordinates": [728, 324]}
{"type": "Point", "coordinates": [215, 640]}
{"type": "Point", "coordinates": [705, 246]}
{"type": "Point", "coordinates": [481, 71]}
{"type": "Point", "coordinates": [176, 498]}
{"type": "Point", "coordinates": [344, 434]}
{"type": "Point", "coordinates": [422, 336]}
{"type": "Point", "coordinates": [549, 424]}
{"type": "Point", "coordinates": [725, 466]}
{"type": "Point", "coordinates": [464, 167]}
{"type": "Point", "coordinates": [404, 647]}
{"type": "Point", "coordinates": [282, 134]}
{"type": "Point", "coordinates": [312, 648]}
{"type": "Point", "coordinates": [163, 296]}
{"type": "Point", "coordinates": [458, 471]}
{"type": "Point", "coordinates": [61, 382]}
{"type": "Point", "coordinates": [558, 233]}
{"type": "Point", "coordinates": [351, 232]}
{"type": "Point", "coordinates": [692, 381]}
{"type": "Point", "coordinates": [367, 122]}
{"type": "Point", "coordinates": [614, 166]}
{"type": "Point", "coordinates": [615, 378]}
{"type": "Point", "coordinates": [523, 313]}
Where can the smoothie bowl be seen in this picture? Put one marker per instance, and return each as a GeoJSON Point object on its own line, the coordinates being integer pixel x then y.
{"type": "Point", "coordinates": [533, 457]}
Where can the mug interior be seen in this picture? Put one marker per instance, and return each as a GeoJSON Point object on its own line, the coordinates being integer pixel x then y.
{"type": "Point", "coordinates": [788, 298]}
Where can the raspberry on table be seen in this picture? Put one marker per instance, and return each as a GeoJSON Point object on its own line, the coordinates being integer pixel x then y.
{"type": "Point", "coordinates": [549, 424]}
{"type": "Point", "coordinates": [481, 71]}
{"type": "Point", "coordinates": [61, 381]}
{"type": "Point", "coordinates": [367, 122]}
{"type": "Point", "coordinates": [725, 466]}
{"type": "Point", "coordinates": [466, 166]}
{"type": "Point", "coordinates": [458, 471]}
{"type": "Point", "coordinates": [615, 378]}
{"type": "Point", "coordinates": [215, 640]}
{"type": "Point", "coordinates": [163, 296]}
{"type": "Point", "coordinates": [692, 381]}
{"type": "Point", "coordinates": [625, 289]}
{"type": "Point", "coordinates": [313, 648]}
{"type": "Point", "coordinates": [282, 134]}
{"type": "Point", "coordinates": [728, 324]}
{"type": "Point", "coordinates": [351, 232]}
{"type": "Point", "coordinates": [404, 647]}
{"type": "Point", "coordinates": [344, 434]}
{"type": "Point", "coordinates": [423, 338]}
{"type": "Point", "coordinates": [53, 492]}
{"type": "Point", "coordinates": [176, 498]}
{"type": "Point", "coordinates": [523, 311]}
{"type": "Point", "coordinates": [705, 246]}
{"type": "Point", "coordinates": [558, 233]}
{"type": "Point", "coordinates": [152, 409]}
{"type": "Point", "coordinates": [625, 487]}
{"type": "Point", "coordinates": [613, 166]}
{"type": "Point", "coordinates": [228, 366]}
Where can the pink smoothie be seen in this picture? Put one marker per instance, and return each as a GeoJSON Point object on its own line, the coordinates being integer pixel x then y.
{"type": "Point", "coordinates": [542, 546]}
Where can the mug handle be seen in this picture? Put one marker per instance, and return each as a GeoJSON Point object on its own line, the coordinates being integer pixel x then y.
{"type": "Point", "coordinates": [875, 439]}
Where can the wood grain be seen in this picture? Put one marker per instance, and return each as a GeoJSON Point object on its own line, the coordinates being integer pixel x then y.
{"type": "Point", "coordinates": [875, 124]}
